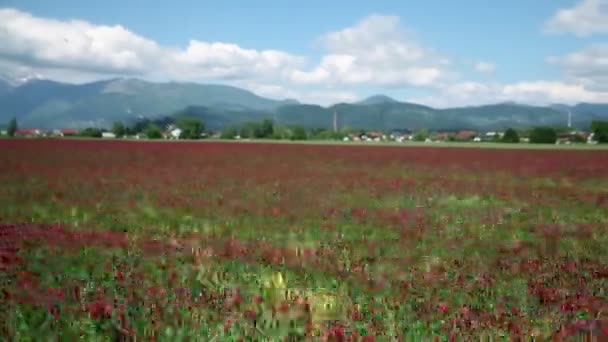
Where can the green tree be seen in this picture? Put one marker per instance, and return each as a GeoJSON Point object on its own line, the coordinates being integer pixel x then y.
{"type": "Point", "coordinates": [12, 127]}
{"type": "Point", "coordinates": [119, 129]}
{"type": "Point", "coordinates": [577, 138]}
{"type": "Point", "coordinates": [421, 135]}
{"type": "Point", "coordinates": [280, 132]}
{"type": "Point", "coordinates": [600, 131]}
{"type": "Point", "coordinates": [192, 128]}
{"type": "Point", "coordinates": [229, 132]}
{"type": "Point", "coordinates": [510, 136]}
{"type": "Point", "coordinates": [298, 133]}
{"type": "Point", "coordinates": [153, 132]}
{"type": "Point", "coordinates": [325, 134]}
{"type": "Point", "coordinates": [543, 135]}
{"type": "Point", "coordinates": [91, 132]}
{"type": "Point", "coordinates": [130, 131]}
{"type": "Point", "coordinates": [267, 128]}
{"type": "Point", "coordinates": [251, 130]}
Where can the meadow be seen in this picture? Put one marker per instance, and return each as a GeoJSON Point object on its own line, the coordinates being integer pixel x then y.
{"type": "Point", "coordinates": [124, 241]}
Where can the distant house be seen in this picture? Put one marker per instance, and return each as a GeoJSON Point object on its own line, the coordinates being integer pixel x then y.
{"type": "Point", "coordinates": [67, 132]}
{"type": "Point", "coordinates": [3, 132]}
{"type": "Point", "coordinates": [572, 136]}
{"type": "Point", "coordinates": [490, 136]}
{"type": "Point", "coordinates": [108, 135]}
{"type": "Point", "coordinates": [175, 133]}
{"type": "Point", "coordinates": [441, 136]}
{"type": "Point", "coordinates": [27, 132]}
{"type": "Point", "coordinates": [375, 136]}
{"type": "Point", "coordinates": [466, 135]}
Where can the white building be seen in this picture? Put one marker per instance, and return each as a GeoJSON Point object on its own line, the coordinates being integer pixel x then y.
{"type": "Point", "coordinates": [175, 133]}
{"type": "Point", "coordinates": [108, 135]}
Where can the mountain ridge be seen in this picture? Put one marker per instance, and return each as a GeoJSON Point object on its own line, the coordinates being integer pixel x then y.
{"type": "Point", "coordinates": [49, 104]}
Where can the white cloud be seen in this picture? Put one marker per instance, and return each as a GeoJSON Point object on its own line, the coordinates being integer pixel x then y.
{"type": "Point", "coordinates": [229, 61]}
{"type": "Point", "coordinates": [552, 92]}
{"type": "Point", "coordinates": [485, 67]}
{"type": "Point", "coordinates": [588, 66]}
{"type": "Point", "coordinates": [73, 44]}
{"type": "Point", "coordinates": [537, 92]}
{"type": "Point", "coordinates": [78, 48]}
{"type": "Point", "coordinates": [586, 18]}
{"type": "Point", "coordinates": [376, 51]}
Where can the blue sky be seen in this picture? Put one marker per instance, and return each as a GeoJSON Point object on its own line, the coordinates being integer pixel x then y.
{"type": "Point", "coordinates": [434, 52]}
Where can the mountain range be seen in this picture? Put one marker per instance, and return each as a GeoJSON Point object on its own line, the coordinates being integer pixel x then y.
{"type": "Point", "coordinates": [49, 104]}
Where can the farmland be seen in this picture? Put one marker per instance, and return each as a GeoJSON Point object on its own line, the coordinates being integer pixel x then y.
{"type": "Point", "coordinates": [117, 240]}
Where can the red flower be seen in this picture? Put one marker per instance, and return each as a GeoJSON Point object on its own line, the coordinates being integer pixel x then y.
{"type": "Point", "coordinates": [514, 310]}
{"type": "Point", "coordinates": [99, 309]}
{"type": "Point", "coordinates": [444, 308]}
{"type": "Point", "coordinates": [567, 307]}
{"type": "Point", "coordinates": [338, 334]}
{"type": "Point", "coordinates": [54, 310]}
{"type": "Point", "coordinates": [516, 330]}
{"type": "Point", "coordinates": [227, 326]}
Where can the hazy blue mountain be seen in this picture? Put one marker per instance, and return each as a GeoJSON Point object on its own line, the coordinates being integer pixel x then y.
{"type": "Point", "coordinates": [502, 116]}
{"type": "Point", "coordinates": [377, 99]}
{"type": "Point", "coordinates": [49, 104]}
{"type": "Point", "coordinates": [597, 110]}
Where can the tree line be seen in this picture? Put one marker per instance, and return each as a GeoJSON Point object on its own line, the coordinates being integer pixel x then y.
{"type": "Point", "coordinates": [266, 129]}
{"type": "Point", "coordinates": [194, 128]}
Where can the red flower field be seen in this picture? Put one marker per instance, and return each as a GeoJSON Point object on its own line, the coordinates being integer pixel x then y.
{"type": "Point", "coordinates": [241, 241]}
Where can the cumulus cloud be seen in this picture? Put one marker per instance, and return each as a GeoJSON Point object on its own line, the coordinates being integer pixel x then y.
{"type": "Point", "coordinates": [73, 44]}
{"type": "Point", "coordinates": [229, 61]}
{"type": "Point", "coordinates": [485, 67]}
{"type": "Point", "coordinates": [376, 51]}
{"type": "Point", "coordinates": [588, 66]}
{"type": "Point", "coordinates": [586, 18]}
{"type": "Point", "coordinates": [40, 45]}
{"type": "Point", "coordinates": [536, 92]}
{"type": "Point", "coordinates": [552, 92]}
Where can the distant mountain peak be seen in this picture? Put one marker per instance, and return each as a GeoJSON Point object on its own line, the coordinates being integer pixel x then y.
{"type": "Point", "coordinates": [377, 99]}
{"type": "Point", "coordinates": [291, 101]}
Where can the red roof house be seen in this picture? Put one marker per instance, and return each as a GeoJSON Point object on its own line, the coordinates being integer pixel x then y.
{"type": "Point", "coordinates": [466, 135]}
{"type": "Point", "coordinates": [69, 132]}
{"type": "Point", "coordinates": [27, 132]}
{"type": "Point", "coordinates": [442, 136]}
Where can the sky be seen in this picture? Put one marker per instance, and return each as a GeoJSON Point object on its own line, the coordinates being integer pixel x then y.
{"type": "Point", "coordinates": [434, 52]}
